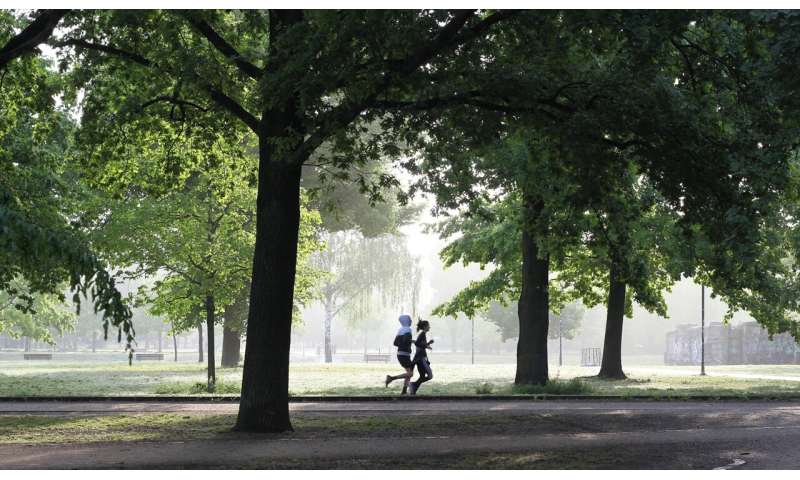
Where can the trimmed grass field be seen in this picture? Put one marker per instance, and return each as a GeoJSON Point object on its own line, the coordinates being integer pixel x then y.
{"type": "Point", "coordinates": [79, 379]}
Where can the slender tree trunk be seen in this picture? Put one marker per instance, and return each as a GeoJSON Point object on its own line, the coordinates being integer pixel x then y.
{"type": "Point", "coordinates": [327, 330]}
{"type": "Point", "coordinates": [175, 345]}
{"type": "Point", "coordinates": [611, 366]}
{"type": "Point", "coordinates": [27, 344]}
{"type": "Point", "coordinates": [94, 341]}
{"type": "Point", "coordinates": [533, 309]}
{"type": "Point", "coordinates": [231, 346]}
{"type": "Point", "coordinates": [200, 342]}
{"type": "Point", "coordinates": [212, 373]}
{"type": "Point", "coordinates": [264, 403]}
{"type": "Point", "coordinates": [160, 337]}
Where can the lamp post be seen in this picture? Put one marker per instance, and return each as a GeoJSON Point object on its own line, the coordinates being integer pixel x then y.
{"type": "Point", "coordinates": [560, 357]}
{"type": "Point", "coordinates": [702, 330]}
{"type": "Point", "coordinates": [473, 340]}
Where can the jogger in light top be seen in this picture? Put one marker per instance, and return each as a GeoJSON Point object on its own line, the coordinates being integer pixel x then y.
{"type": "Point", "coordinates": [403, 343]}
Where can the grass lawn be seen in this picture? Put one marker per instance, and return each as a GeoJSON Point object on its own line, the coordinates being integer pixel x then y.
{"type": "Point", "coordinates": [781, 370]}
{"type": "Point", "coordinates": [51, 379]}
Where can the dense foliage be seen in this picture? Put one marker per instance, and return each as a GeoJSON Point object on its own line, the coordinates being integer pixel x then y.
{"type": "Point", "coordinates": [38, 195]}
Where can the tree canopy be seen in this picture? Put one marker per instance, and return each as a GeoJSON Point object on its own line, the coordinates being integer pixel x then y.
{"type": "Point", "coordinates": [38, 195]}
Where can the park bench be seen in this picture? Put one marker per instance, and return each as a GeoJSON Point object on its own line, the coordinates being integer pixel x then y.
{"type": "Point", "coordinates": [149, 356]}
{"type": "Point", "coordinates": [377, 357]}
{"type": "Point", "coordinates": [38, 356]}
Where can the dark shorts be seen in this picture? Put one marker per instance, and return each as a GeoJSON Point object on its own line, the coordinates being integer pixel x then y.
{"type": "Point", "coordinates": [405, 361]}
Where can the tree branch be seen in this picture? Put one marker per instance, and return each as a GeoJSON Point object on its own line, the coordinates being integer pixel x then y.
{"type": "Point", "coordinates": [470, 98]}
{"type": "Point", "coordinates": [173, 100]}
{"type": "Point", "coordinates": [686, 60]}
{"type": "Point", "coordinates": [233, 107]}
{"type": "Point", "coordinates": [34, 34]}
{"type": "Point", "coordinates": [484, 25]}
{"type": "Point", "coordinates": [426, 52]}
{"type": "Point", "coordinates": [80, 43]}
{"type": "Point", "coordinates": [716, 59]}
{"type": "Point", "coordinates": [224, 47]}
{"type": "Point", "coordinates": [447, 37]}
{"type": "Point", "coordinates": [198, 266]}
{"type": "Point", "coordinates": [622, 145]}
{"type": "Point", "coordinates": [216, 95]}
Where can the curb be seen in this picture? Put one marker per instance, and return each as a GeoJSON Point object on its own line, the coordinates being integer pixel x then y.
{"type": "Point", "coordinates": [398, 398]}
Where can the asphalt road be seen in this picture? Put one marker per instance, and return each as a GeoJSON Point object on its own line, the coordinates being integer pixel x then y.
{"type": "Point", "coordinates": [586, 434]}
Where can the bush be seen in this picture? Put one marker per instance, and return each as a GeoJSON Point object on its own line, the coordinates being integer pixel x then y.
{"type": "Point", "coordinates": [484, 388]}
{"type": "Point", "coordinates": [220, 388]}
{"type": "Point", "coordinates": [554, 387]}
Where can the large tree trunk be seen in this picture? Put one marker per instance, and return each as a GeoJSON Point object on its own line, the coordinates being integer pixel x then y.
{"type": "Point", "coordinates": [327, 333]}
{"type": "Point", "coordinates": [199, 342]}
{"type": "Point", "coordinates": [212, 373]}
{"type": "Point", "coordinates": [235, 318]}
{"type": "Point", "coordinates": [611, 366]}
{"type": "Point", "coordinates": [533, 308]}
{"type": "Point", "coordinates": [264, 404]}
{"type": "Point", "coordinates": [231, 346]}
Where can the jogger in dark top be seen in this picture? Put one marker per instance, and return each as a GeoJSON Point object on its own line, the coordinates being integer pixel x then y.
{"type": "Point", "coordinates": [403, 343]}
{"type": "Point", "coordinates": [421, 356]}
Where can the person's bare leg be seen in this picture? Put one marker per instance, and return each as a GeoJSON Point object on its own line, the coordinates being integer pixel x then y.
{"type": "Point", "coordinates": [390, 378]}
{"type": "Point", "coordinates": [407, 379]}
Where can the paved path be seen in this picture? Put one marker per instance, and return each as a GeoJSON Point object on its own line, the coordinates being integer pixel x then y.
{"type": "Point", "coordinates": [641, 434]}
{"type": "Point", "coordinates": [440, 407]}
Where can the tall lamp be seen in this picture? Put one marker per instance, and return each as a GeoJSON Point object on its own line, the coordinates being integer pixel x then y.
{"type": "Point", "coordinates": [702, 330]}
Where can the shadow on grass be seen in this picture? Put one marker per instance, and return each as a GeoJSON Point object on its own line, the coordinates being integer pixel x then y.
{"type": "Point", "coordinates": [198, 388]}
{"type": "Point", "coordinates": [29, 429]}
{"type": "Point", "coordinates": [110, 428]}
